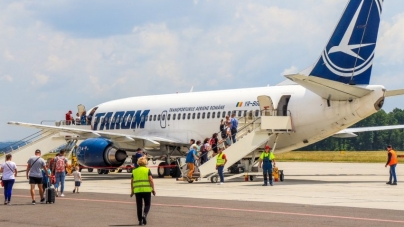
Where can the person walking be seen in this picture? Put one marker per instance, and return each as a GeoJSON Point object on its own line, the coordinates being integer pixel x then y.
{"type": "Point", "coordinates": [392, 162]}
{"type": "Point", "coordinates": [234, 126]}
{"type": "Point", "coordinates": [204, 151]}
{"type": "Point", "coordinates": [34, 174]}
{"type": "Point", "coordinates": [9, 170]}
{"type": "Point", "coordinates": [267, 157]}
{"type": "Point", "coordinates": [77, 179]}
{"type": "Point", "coordinates": [60, 172]}
{"type": "Point", "coordinates": [137, 156]}
{"type": "Point", "coordinates": [142, 186]}
{"type": "Point", "coordinates": [213, 143]}
{"type": "Point", "coordinates": [220, 163]}
{"type": "Point", "coordinates": [190, 160]}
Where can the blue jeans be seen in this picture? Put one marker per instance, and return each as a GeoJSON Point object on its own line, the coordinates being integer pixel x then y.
{"type": "Point", "coordinates": [233, 135]}
{"type": "Point", "coordinates": [60, 178]}
{"type": "Point", "coordinates": [8, 189]}
{"type": "Point", "coordinates": [220, 172]}
{"type": "Point", "coordinates": [393, 173]}
{"type": "Point", "coordinates": [267, 171]}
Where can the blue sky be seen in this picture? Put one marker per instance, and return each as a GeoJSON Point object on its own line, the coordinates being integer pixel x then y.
{"type": "Point", "coordinates": [55, 55]}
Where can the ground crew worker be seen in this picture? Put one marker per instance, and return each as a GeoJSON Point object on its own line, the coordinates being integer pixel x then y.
{"type": "Point", "coordinates": [267, 157]}
{"type": "Point", "coordinates": [142, 186]}
{"type": "Point", "coordinates": [220, 162]}
{"type": "Point", "coordinates": [392, 162]}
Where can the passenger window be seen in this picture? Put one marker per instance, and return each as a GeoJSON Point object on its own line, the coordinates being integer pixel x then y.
{"type": "Point", "coordinates": [203, 115]}
{"type": "Point", "coordinates": [199, 115]}
{"type": "Point", "coordinates": [239, 113]}
{"type": "Point", "coordinates": [189, 116]}
{"type": "Point", "coordinates": [208, 115]}
{"type": "Point", "coordinates": [245, 113]}
{"type": "Point", "coordinates": [229, 113]}
{"type": "Point", "coordinates": [224, 114]}
{"type": "Point", "coordinates": [150, 118]}
{"type": "Point", "coordinates": [174, 115]}
{"type": "Point", "coordinates": [158, 117]}
{"type": "Point", "coordinates": [154, 118]}
{"type": "Point", "coordinates": [142, 118]}
{"type": "Point", "coordinates": [183, 116]}
{"type": "Point", "coordinates": [163, 117]}
{"type": "Point", "coordinates": [257, 113]}
{"type": "Point", "coordinates": [213, 114]}
{"type": "Point", "coordinates": [193, 116]}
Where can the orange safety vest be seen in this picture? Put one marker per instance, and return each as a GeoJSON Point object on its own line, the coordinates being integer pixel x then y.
{"type": "Point", "coordinates": [393, 159]}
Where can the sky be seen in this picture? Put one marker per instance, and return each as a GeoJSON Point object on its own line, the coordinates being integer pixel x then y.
{"type": "Point", "coordinates": [55, 55]}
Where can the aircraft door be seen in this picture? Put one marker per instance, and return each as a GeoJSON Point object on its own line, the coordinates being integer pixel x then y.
{"type": "Point", "coordinates": [163, 119]}
{"type": "Point", "coordinates": [266, 105]}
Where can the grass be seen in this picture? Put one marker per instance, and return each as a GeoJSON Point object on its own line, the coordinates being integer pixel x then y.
{"type": "Point", "coordinates": [335, 156]}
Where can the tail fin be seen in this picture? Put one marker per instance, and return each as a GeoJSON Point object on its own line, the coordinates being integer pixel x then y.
{"type": "Point", "coordinates": [348, 56]}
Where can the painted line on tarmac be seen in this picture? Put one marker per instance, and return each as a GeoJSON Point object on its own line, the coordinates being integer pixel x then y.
{"type": "Point", "coordinates": [234, 209]}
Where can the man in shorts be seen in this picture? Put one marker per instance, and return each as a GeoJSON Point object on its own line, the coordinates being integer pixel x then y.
{"type": "Point", "coordinates": [34, 174]}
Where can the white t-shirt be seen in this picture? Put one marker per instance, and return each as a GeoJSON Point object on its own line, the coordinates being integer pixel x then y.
{"type": "Point", "coordinates": [76, 175]}
{"type": "Point", "coordinates": [8, 170]}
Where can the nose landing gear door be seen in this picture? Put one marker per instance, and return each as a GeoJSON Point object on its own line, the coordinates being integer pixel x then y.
{"type": "Point", "coordinates": [163, 119]}
{"type": "Point", "coordinates": [266, 105]}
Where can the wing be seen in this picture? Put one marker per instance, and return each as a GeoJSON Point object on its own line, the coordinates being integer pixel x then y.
{"type": "Point", "coordinates": [394, 92]}
{"type": "Point", "coordinates": [350, 132]}
{"type": "Point", "coordinates": [88, 133]}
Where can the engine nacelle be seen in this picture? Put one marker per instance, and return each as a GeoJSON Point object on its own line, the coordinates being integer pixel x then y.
{"type": "Point", "coordinates": [100, 152]}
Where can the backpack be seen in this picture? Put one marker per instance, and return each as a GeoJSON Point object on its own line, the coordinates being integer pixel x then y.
{"type": "Point", "coordinates": [224, 133]}
{"type": "Point", "coordinates": [60, 165]}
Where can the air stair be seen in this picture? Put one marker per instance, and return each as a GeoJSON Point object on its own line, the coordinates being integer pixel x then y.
{"type": "Point", "coordinates": [44, 140]}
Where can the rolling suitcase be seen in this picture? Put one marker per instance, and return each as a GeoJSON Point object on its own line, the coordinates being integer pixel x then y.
{"type": "Point", "coordinates": [50, 194]}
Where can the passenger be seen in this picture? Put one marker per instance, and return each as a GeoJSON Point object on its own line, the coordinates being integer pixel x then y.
{"type": "Point", "coordinates": [34, 174]}
{"type": "Point", "coordinates": [52, 164]}
{"type": "Point", "coordinates": [190, 160]}
{"type": "Point", "coordinates": [45, 177]}
{"type": "Point", "coordinates": [83, 118]}
{"type": "Point", "coordinates": [60, 172]}
{"type": "Point", "coordinates": [9, 170]}
{"type": "Point", "coordinates": [234, 126]}
{"type": "Point", "coordinates": [69, 118]}
{"type": "Point", "coordinates": [89, 118]}
{"type": "Point", "coordinates": [267, 157]}
{"type": "Point", "coordinates": [392, 162]}
{"type": "Point", "coordinates": [214, 141]}
{"type": "Point", "coordinates": [137, 156]}
{"type": "Point", "coordinates": [77, 179]}
{"type": "Point", "coordinates": [142, 186]}
{"type": "Point", "coordinates": [227, 120]}
{"type": "Point", "coordinates": [228, 135]}
{"type": "Point", "coordinates": [78, 122]}
{"type": "Point", "coordinates": [222, 129]}
{"type": "Point", "coordinates": [204, 151]}
{"type": "Point", "coordinates": [220, 163]}
{"type": "Point", "coordinates": [198, 147]}
{"type": "Point", "coordinates": [191, 142]}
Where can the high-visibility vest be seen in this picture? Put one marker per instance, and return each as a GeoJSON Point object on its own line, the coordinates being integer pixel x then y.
{"type": "Point", "coordinates": [393, 159]}
{"type": "Point", "coordinates": [270, 156]}
{"type": "Point", "coordinates": [219, 160]}
{"type": "Point", "coordinates": [141, 181]}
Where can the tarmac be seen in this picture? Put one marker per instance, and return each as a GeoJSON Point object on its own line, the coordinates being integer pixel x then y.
{"type": "Point", "coordinates": [313, 194]}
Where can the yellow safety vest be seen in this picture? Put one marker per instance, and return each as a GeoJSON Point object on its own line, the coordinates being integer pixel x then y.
{"type": "Point", "coordinates": [268, 155]}
{"type": "Point", "coordinates": [219, 160]}
{"type": "Point", "coordinates": [141, 181]}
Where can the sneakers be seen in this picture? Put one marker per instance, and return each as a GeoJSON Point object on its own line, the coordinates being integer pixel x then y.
{"type": "Point", "coordinates": [265, 184]}
{"type": "Point", "coordinates": [33, 202]}
{"type": "Point", "coordinates": [62, 195]}
{"type": "Point", "coordinates": [43, 200]}
{"type": "Point", "coordinates": [395, 183]}
{"type": "Point", "coordinates": [220, 183]}
{"type": "Point", "coordinates": [74, 191]}
{"type": "Point", "coordinates": [388, 182]}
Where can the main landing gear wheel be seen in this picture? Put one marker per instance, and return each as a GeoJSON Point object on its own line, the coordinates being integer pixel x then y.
{"type": "Point", "coordinates": [214, 179]}
{"type": "Point", "coordinates": [106, 171]}
{"type": "Point", "coordinates": [90, 170]}
{"type": "Point", "coordinates": [100, 171]}
{"type": "Point", "coordinates": [175, 171]}
{"type": "Point", "coordinates": [162, 170]}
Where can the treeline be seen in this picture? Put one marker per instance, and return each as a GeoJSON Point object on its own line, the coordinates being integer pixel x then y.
{"type": "Point", "coordinates": [368, 141]}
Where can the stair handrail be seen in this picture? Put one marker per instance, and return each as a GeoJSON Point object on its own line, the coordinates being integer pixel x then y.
{"type": "Point", "coordinates": [10, 149]}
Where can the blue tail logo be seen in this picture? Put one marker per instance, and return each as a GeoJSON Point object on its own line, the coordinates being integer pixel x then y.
{"type": "Point", "coordinates": [349, 54]}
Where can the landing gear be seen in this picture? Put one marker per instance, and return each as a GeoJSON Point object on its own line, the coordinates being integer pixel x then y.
{"type": "Point", "coordinates": [102, 171]}
{"type": "Point", "coordinates": [175, 171]}
{"type": "Point", "coordinates": [129, 168]}
{"type": "Point", "coordinates": [90, 170]}
{"type": "Point", "coordinates": [163, 170]}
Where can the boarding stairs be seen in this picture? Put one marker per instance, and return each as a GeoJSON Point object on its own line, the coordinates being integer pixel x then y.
{"type": "Point", "coordinates": [44, 140]}
{"type": "Point", "coordinates": [251, 135]}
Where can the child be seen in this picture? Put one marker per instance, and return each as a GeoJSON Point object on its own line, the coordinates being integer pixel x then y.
{"type": "Point", "coordinates": [45, 178]}
{"type": "Point", "coordinates": [77, 179]}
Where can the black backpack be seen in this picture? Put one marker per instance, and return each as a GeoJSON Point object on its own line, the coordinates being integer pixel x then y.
{"type": "Point", "coordinates": [223, 132]}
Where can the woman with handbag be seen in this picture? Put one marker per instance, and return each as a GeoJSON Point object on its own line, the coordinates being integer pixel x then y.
{"type": "Point", "coordinates": [9, 170]}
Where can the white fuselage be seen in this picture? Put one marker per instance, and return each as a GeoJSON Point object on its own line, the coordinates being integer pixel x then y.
{"type": "Point", "coordinates": [313, 118]}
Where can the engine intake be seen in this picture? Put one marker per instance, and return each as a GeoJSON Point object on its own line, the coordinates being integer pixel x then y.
{"type": "Point", "coordinates": [100, 152]}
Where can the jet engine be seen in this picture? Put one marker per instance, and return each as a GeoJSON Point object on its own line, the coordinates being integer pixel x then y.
{"type": "Point", "coordinates": [100, 152]}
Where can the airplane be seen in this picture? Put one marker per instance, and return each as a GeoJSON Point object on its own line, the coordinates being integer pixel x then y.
{"type": "Point", "coordinates": [320, 101]}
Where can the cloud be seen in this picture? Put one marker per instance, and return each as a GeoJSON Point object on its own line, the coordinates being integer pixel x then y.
{"type": "Point", "coordinates": [40, 79]}
{"type": "Point", "coordinates": [7, 78]}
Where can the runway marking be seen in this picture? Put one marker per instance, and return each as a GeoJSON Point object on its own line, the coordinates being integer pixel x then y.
{"type": "Point", "coordinates": [234, 209]}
